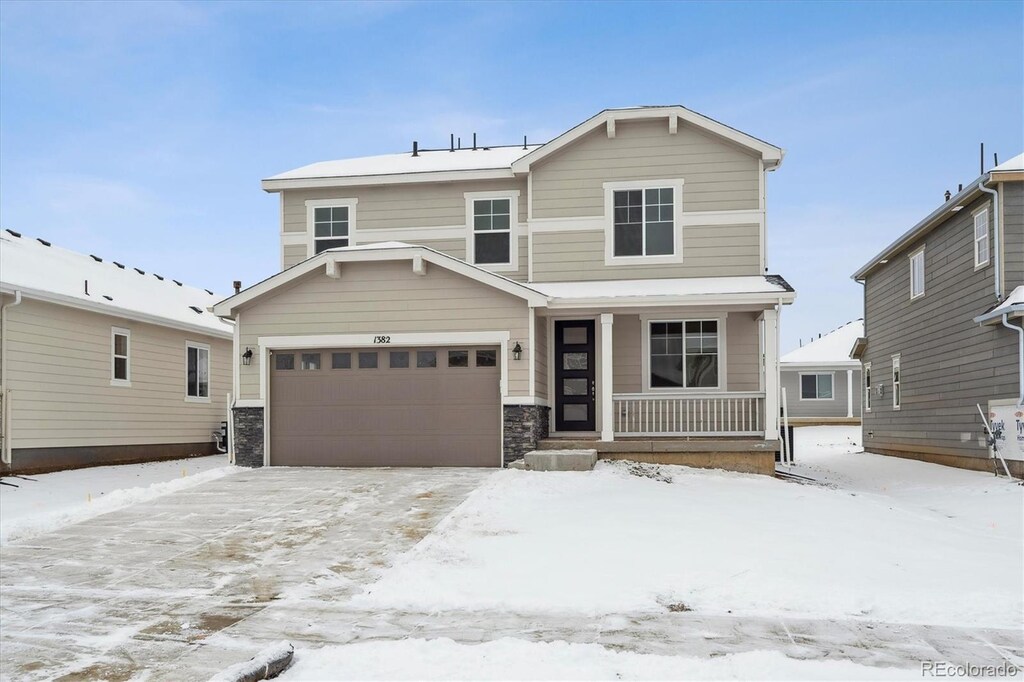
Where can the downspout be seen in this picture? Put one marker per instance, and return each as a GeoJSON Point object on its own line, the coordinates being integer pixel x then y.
{"type": "Point", "coordinates": [1020, 353]}
{"type": "Point", "coordinates": [5, 397]}
{"type": "Point", "coordinates": [995, 238]}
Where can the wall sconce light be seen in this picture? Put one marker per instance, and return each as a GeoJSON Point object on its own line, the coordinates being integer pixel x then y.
{"type": "Point", "coordinates": [247, 357]}
{"type": "Point", "coordinates": [517, 352]}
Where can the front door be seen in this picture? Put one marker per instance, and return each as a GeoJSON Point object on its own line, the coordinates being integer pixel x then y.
{"type": "Point", "coordinates": [574, 375]}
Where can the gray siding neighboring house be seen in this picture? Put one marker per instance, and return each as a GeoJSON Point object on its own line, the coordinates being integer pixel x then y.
{"type": "Point", "coordinates": [822, 383]}
{"type": "Point", "coordinates": [103, 364]}
{"type": "Point", "coordinates": [947, 358]}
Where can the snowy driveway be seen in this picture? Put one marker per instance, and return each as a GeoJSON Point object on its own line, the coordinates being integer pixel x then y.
{"type": "Point", "coordinates": [138, 590]}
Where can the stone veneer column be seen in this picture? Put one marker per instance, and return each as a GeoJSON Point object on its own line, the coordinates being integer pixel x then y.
{"type": "Point", "coordinates": [248, 445]}
{"type": "Point", "coordinates": [525, 425]}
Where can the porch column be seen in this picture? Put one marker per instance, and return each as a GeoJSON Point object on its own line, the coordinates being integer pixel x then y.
{"type": "Point", "coordinates": [849, 393]}
{"type": "Point", "coordinates": [771, 374]}
{"type": "Point", "coordinates": [607, 404]}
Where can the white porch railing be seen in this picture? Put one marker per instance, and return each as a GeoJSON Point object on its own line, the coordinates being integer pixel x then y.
{"type": "Point", "coordinates": [689, 414]}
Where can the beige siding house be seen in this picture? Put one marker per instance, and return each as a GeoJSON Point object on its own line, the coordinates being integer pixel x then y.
{"type": "Point", "coordinates": [101, 363]}
{"type": "Point", "coordinates": [608, 286]}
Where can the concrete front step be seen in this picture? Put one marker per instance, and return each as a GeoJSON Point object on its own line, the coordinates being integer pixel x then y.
{"type": "Point", "coordinates": [747, 456]}
{"type": "Point", "coordinates": [557, 460]}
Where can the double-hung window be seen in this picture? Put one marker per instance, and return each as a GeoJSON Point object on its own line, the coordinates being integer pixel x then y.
{"type": "Point", "coordinates": [917, 274]}
{"type": "Point", "coordinates": [492, 231]}
{"type": "Point", "coordinates": [643, 222]}
{"type": "Point", "coordinates": [684, 354]}
{"type": "Point", "coordinates": [896, 395]}
{"type": "Point", "coordinates": [867, 386]}
{"type": "Point", "coordinates": [197, 372]}
{"type": "Point", "coordinates": [816, 386]}
{"type": "Point", "coordinates": [981, 249]}
{"type": "Point", "coordinates": [120, 350]}
{"type": "Point", "coordinates": [330, 223]}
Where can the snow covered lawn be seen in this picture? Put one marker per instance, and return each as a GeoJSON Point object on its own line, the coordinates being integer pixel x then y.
{"type": "Point", "coordinates": [884, 540]}
{"type": "Point", "coordinates": [50, 501]}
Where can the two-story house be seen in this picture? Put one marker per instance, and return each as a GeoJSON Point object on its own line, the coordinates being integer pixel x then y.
{"type": "Point", "coordinates": [943, 308]}
{"type": "Point", "coordinates": [459, 306]}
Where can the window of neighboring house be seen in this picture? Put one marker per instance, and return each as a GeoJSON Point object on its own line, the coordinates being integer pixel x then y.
{"type": "Point", "coordinates": [816, 386]}
{"type": "Point", "coordinates": [867, 386]}
{"type": "Point", "coordinates": [981, 255]}
{"type": "Point", "coordinates": [643, 222]}
{"type": "Point", "coordinates": [492, 231]}
{"type": "Point", "coordinates": [896, 397]}
{"type": "Point", "coordinates": [330, 227]}
{"type": "Point", "coordinates": [197, 371]}
{"type": "Point", "coordinates": [684, 354]}
{"type": "Point", "coordinates": [917, 274]}
{"type": "Point", "coordinates": [120, 350]}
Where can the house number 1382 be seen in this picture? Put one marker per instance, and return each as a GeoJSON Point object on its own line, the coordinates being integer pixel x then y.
{"type": "Point", "coordinates": [382, 339]}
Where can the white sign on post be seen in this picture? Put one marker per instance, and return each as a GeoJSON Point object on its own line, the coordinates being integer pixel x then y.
{"type": "Point", "coordinates": [1008, 423]}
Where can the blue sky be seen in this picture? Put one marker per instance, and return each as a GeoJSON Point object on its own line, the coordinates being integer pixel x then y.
{"type": "Point", "coordinates": [140, 131]}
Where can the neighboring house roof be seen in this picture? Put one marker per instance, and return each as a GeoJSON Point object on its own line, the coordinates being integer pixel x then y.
{"type": "Point", "coordinates": [941, 214]}
{"type": "Point", "coordinates": [1012, 306]}
{"type": "Point", "coordinates": [496, 162]}
{"type": "Point", "coordinates": [831, 349]}
{"type": "Point", "coordinates": [49, 273]}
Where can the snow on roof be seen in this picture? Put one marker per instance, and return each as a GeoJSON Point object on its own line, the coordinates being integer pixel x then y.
{"type": "Point", "coordinates": [832, 348]}
{"type": "Point", "coordinates": [689, 286]}
{"type": "Point", "coordinates": [1011, 304]}
{"type": "Point", "coordinates": [428, 161]}
{"type": "Point", "coordinates": [45, 271]}
{"type": "Point", "coordinates": [1014, 164]}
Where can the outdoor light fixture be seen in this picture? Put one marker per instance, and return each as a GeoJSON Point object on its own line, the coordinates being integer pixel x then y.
{"type": "Point", "coordinates": [247, 357]}
{"type": "Point", "coordinates": [517, 352]}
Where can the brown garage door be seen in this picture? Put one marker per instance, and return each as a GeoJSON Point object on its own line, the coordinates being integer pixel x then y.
{"type": "Point", "coordinates": [386, 407]}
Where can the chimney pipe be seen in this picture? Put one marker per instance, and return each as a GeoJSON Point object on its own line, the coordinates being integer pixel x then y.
{"type": "Point", "coordinates": [948, 195]}
{"type": "Point", "coordinates": [460, 142]}
{"type": "Point", "coordinates": [524, 141]}
{"type": "Point", "coordinates": [982, 159]}
{"type": "Point", "coordinates": [960, 187]}
{"type": "Point", "coordinates": [237, 284]}
{"type": "Point", "coordinates": [474, 141]}
{"type": "Point", "coordinates": [415, 148]}
{"type": "Point", "coordinates": [995, 159]}
{"type": "Point", "coordinates": [451, 143]}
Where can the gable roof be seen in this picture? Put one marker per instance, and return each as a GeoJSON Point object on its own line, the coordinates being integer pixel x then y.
{"type": "Point", "coordinates": [771, 154]}
{"type": "Point", "coordinates": [382, 251]}
{"type": "Point", "coordinates": [831, 349]}
{"type": "Point", "coordinates": [50, 273]}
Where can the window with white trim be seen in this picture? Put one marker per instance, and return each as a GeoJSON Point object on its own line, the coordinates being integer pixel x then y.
{"type": "Point", "coordinates": [896, 397]}
{"type": "Point", "coordinates": [492, 231]}
{"type": "Point", "coordinates": [643, 222]}
{"type": "Point", "coordinates": [684, 354]}
{"type": "Point", "coordinates": [197, 371]}
{"type": "Point", "coordinates": [120, 356]}
{"type": "Point", "coordinates": [981, 247]}
{"type": "Point", "coordinates": [330, 227]}
{"type": "Point", "coordinates": [867, 386]}
{"type": "Point", "coordinates": [817, 386]}
{"type": "Point", "coordinates": [917, 274]}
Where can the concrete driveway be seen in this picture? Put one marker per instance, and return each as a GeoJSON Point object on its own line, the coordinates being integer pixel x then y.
{"type": "Point", "coordinates": [139, 592]}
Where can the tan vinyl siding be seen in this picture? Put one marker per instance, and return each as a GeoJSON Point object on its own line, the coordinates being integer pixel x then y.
{"type": "Point", "coordinates": [743, 351]}
{"type": "Point", "coordinates": [708, 251]}
{"type": "Point", "coordinates": [59, 364]}
{"type": "Point", "coordinates": [627, 347]}
{"type": "Point", "coordinates": [541, 356]}
{"type": "Point", "coordinates": [718, 175]}
{"type": "Point", "coordinates": [385, 298]}
{"type": "Point", "coordinates": [292, 254]}
{"type": "Point", "coordinates": [1012, 228]}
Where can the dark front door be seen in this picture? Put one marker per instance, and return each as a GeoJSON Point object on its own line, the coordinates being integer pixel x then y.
{"type": "Point", "coordinates": [574, 375]}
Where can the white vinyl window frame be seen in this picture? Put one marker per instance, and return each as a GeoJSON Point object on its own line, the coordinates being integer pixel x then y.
{"type": "Point", "coordinates": [817, 389]}
{"type": "Point", "coordinates": [897, 379]}
{"type": "Point", "coordinates": [201, 350]}
{"type": "Point", "coordinates": [114, 356]}
{"type": "Point", "coordinates": [645, 356]}
{"type": "Point", "coordinates": [982, 242]}
{"type": "Point", "coordinates": [513, 232]}
{"type": "Point", "coordinates": [676, 185]}
{"type": "Point", "coordinates": [312, 204]}
{"type": "Point", "coordinates": [867, 386]}
{"type": "Point", "coordinates": [917, 274]}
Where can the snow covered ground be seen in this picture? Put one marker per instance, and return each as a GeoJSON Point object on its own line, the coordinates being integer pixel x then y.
{"type": "Point", "coordinates": [47, 502]}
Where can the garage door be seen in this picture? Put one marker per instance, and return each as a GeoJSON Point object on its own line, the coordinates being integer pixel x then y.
{"type": "Point", "coordinates": [386, 407]}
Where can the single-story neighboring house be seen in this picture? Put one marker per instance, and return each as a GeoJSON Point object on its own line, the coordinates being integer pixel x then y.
{"type": "Point", "coordinates": [823, 385]}
{"type": "Point", "coordinates": [103, 363]}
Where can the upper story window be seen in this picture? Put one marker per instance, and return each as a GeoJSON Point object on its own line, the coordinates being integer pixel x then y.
{"type": "Point", "coordinates": [120, 354]}
{"type": "Point", "coordinates": [917, 274]}
{"type": "Point", "coordinates": [642, 222]}
{"type": "Point", "coordinates": [816, 386]}
{"type": "Point", "coordinates": [867, 386]}
{"type": "Point", "coordinates": [683, 354]}
{"type": "Point", "coordinates": [981, 249]}
{"type": "Point", "coordinates": [897, 395]}
{"type": "Point", "coordinates": [197, 372]}
{"type": "Point", "coordinates": [492, 240]}
{"type": "Point", "coordinates": [330, 223]}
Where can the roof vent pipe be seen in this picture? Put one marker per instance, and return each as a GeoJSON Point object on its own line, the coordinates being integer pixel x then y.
{"type": "Point", "coordinates": [237, 284]}
{"type": "Point", "coordinates": [995, 159]}
{"type": "Point", "coordinates": [948, 195]}
{"type": "Point", "coordinates": [459, 140]}
{"type": "Point", "coordinates": [474, 141]}
{"type": "Point", "coordinates": [524, 141]}
{"type": "Point", "coordinates": [960, 187]}
{"type": "Point", "coordinates": [451, 143]}
{"type": "Point", "coordinates": [982, 159]}
{"type": "Point", "coordinates": [415, 148]}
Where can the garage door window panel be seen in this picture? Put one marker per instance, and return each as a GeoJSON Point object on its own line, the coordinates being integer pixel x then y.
{"type": "Point", "coordinates": [310, 361]}
{"type": "Point", "coordinates": [486, 358]}
{"type": "Point", "coordinates": [458, 358]}
{"type": "Point", "coordinates": [284, 361]}
{"type": "Point", "coordinates": [368, 360]}
{"type": "Point", "coordinates": [426, 359]}
{"type": "Point", "coordinates": [341, 361]}
{"type": "Point", "coordinates": [398, 359]}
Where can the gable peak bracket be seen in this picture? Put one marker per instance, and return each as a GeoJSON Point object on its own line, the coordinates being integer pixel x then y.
{"type": "Point", "coordinates": [333, 269]}
{"type": "Point", "coordinates": [419, 266]}
{"type": "Point", "coordinates": [673, 124]}
{"type": "Point", "coordinates": [611, 127]}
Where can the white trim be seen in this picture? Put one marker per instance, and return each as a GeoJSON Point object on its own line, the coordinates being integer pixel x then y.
{"type": "Point", "coordinates": [746, 216]}
{"type": "Point", "coordinates": [978, 265]}
{"type": "Point", "coordinates": [529, 227]}
{"type": "Point", "coordinates": [772, 373]}
{"type": "Point", "coordinates": [800, 385]}
{"type": "Point", "coordinates": [413, 234]}
{"type": "Point", "coordinates": [250, 402]}
{"type": "Point", "coordinates": [645, 353]}
{"type": "Point", "coordinates": [762, 200]}
{"type": "Point", "coordinates": [695, 300]}
{"type": "Point", "coordinates": [127, 333]}
{"type": "Point", "coordinates": [236, 355]}
{"type": "Point", "coordinates": [313, 204]}
{"type": "Point", "coordinates": [606, 401]}
{"type": "Point", "coordinates": [525, 400]}
{"type": "Point", "coordinates": [610, 259]}
{"type": "Point", "coordinates": [575, 224]}
{"type": "Point", "coordinates": [469, 232]}
{"type": "Point", "coordinates": [865, 381]}
{"type": "Point", "coordinates": [849, 393]}
{"type": "Point", "coordinates": [272, 185]}
{"type": "Point", "coordinates": [209, 372]}
{"type": "Point", "coordinates": [897, 366]}
{"type": "Point", "coordinates": [531, 344]}
{"type": "Point", "coordinates": [912, 257]}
